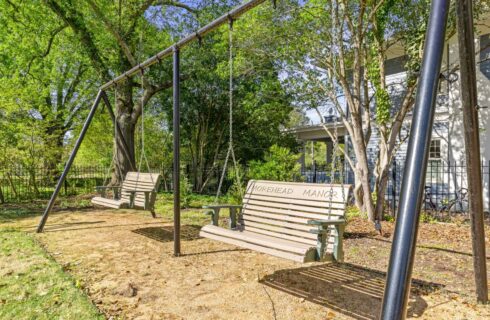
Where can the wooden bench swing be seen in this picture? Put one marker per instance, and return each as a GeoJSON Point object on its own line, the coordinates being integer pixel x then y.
{"type": "Point", "coordinates": [298, 221]}
{"type": "Point", "coordinates": [138, 191]}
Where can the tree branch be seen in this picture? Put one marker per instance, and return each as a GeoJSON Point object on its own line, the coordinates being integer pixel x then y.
{"type": "Point", "coordinates": [48, 49]}
{"type": "Point", "coordinates": [75, 20]}
{"type": "Point", "coordinates": [113, 30]}
{"type": "Point", "coordinates": [148, 3]}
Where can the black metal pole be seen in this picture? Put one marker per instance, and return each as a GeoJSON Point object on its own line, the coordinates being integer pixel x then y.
{"type": "Point", "coordinates": [469, 101]}
{"type": "Point", "coordinates": [403, 249]}
{"type": "Point", "coordinates": [176, 163]}
{"type": "Point", "coordinates": [68, 164]}
{"type": "Point", "coordinates": [121, 141]}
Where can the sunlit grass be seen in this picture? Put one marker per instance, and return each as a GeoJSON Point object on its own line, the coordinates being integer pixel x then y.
{"type": "Point", "coordinates": [33, 286]}
{"type": "Point", "coordinates": [193, 215]}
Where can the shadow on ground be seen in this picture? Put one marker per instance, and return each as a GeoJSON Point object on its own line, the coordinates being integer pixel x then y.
{"type": "Point", "coordinates": [352, 290]}
{"type": "Point", "coordinates": [166, 233]}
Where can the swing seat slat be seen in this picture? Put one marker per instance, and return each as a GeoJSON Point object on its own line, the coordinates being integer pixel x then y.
{"type": "Point", "coordinates": [297, 221]}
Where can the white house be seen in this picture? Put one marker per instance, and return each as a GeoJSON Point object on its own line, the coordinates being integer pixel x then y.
{"type": "Point", "coordinates": [446, 171]}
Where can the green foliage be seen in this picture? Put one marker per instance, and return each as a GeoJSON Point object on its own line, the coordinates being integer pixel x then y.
{"type": "Point", "coordinates": [261, 108]}
{"type": "Point", "coordinates": [319, 151]}
{"type": "Point", "coordinates": [427, 217]}
{"type": "Point", "coordinates": [279, 164]}
{"type": "Point", "coordinates": [389, 218]}
{"type": "Point", "coordinates": [238, 176]}
{"type": "Point", "coordinates": [44, 84]}
{"type": "Point", "coordinates": [352, 212]}
{"type": "Point", "coordinates": [33, 286]}
{"type": "Point", "coordinates": [382, 98]}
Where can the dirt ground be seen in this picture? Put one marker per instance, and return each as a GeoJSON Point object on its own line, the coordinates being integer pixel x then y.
{"type": "Point", "coordinates": [124, 261]}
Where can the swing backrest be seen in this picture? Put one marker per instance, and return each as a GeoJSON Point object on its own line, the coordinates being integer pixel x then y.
{"type": "Point", "coordinates": [140, 182]}
{"type": "Point", "coordinates": [282, 209]}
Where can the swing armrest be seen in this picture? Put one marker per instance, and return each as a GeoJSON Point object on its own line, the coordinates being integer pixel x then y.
{"type": "Point", "coordinates": [132, 196]}
{"type": "Point", "coordinates": [321, 232]}
{"type": "Point", "coordinates": [215, 209]}
{"type": "Point", "coordinates": [323, 223]}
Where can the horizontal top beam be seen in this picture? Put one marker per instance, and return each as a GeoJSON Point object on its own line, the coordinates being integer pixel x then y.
{"type": "Point", "coordinates": [233, 15]}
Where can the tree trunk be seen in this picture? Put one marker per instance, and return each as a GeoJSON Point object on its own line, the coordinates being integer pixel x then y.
{"type": "Point", "coordinates": [380, 188]}
{"type": "Point", "coordinates": [358, 193]}
{"type": "Point", "coordinates": [362, 167]}
{"type": "Point", "coordinates": [12, 185]}
{"type": "Point", "coordinates": [33, 182]}
{"type": "Point", "coordinates": [381, 173]}
{"type": "Point", "coordinates": [2, 198]}
{"type": "Point", "coordinates": [368, 207]}
{"type": "Point", "coordinates": [127, 123]}
{"type": "Point", "coordinates": [54, 138]}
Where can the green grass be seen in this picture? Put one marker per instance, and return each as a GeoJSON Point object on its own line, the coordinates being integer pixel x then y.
{"type": "Point", "coordinates": [34, 286]}
{"type": "Point", "coordinates": [9, 214]}
{"type": "Point", "coordinates": [193, 214]}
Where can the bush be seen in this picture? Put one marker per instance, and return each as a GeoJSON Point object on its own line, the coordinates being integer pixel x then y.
{"type": "Point", "coordinates": [426, 217]}
{"type": "Point", "coordinates": [237, 189]}
{"type": "Point", "coordinates": [279, 164]}
{"type": "Point", "coordinates": [352, 212]}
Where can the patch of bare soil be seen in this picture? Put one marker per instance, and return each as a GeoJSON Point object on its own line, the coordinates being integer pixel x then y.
{"type": "Point", "coordinates": [124, 260]}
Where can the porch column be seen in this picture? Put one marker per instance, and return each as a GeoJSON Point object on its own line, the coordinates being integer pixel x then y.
{"type": "Point", "coordinates": [329, 151]}
{"type": "Point", "coordinates": [302, 158]}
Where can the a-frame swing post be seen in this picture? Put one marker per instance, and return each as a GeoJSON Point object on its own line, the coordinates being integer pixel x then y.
{"type": "Point", "coordinates": [405, 236]}
{"type": "Point", "coordinates": [469, 101]}
{"type": "Point", "coordinates": [176, 148]}
{"type": "Point", "coordinates": [69, 163]}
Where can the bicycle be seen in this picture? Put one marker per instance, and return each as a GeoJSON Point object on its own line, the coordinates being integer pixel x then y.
{"type": "Point", "coordinates": [428, 199]}
{"type": "Point", "coordinates": [461, 199]}
{"type": "Point", "coordinates": [446, 204]}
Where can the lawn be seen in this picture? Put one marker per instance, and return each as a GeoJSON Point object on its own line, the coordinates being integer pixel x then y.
{"type": "Point", "coordinates": [34, 286]}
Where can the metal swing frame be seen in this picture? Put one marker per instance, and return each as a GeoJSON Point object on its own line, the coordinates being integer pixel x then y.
{"type": "Point", "coordinates": [174, 51]}
{"type": "Point", "coordinates": [403, 248]}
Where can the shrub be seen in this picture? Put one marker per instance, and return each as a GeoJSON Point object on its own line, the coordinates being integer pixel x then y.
{"type": "Point", "coordinates": [235, 192]}
{"type": "Point", "coordinates": [352, 212]}
{"type": "Point", "coordinates": [279, 164]}
{"type": "Point", "coordinates": [426, 217]}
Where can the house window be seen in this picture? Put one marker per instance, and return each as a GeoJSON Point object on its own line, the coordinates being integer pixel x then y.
{"type": "Point", "coordinates": [435, 149]}
{"type": "Point", "coordinates": [434, 167]}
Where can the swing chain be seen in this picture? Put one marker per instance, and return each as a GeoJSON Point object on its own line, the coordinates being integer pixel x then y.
{"type": "Point", "coordinates": [230, 124]}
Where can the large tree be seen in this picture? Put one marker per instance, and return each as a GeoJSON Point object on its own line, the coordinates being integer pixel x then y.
{"type": "Point", "coordinates": [44, 82]}
{"type": "Point", "coordinates": [333, 53]}
{"type": "Point", "coordinates": [116, 36]}
{"type": "Point", "coordinates": [261, 108]}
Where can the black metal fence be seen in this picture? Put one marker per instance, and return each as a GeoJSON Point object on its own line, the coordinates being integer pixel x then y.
{"type": "Point", "coordinates": [445, 184]}
{"type": "Point", "coordinates": [19, 183]}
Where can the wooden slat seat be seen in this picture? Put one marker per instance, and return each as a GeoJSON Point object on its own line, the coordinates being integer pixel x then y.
{"type": "Point", "coordinates": [298, 221]}
{"type": "Point", "coordinates": [110, 203]}
{"type": "Point", "coordinates": [137, 191]}
{"type": "Point", "coordinates": [271, 245]}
